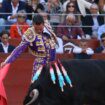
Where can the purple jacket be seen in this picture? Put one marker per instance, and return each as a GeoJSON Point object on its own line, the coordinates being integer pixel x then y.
{"type": "Point", "coordinates": [42, 47]}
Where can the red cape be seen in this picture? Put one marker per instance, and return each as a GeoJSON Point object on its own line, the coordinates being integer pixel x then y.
{"type": "Point", "coordinates": [3, 72]}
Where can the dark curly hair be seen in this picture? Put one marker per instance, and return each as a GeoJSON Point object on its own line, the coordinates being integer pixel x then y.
{"type": "Point", "coordinates": [38, 19]}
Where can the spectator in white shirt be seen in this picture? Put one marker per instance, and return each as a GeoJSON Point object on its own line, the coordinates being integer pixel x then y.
{"type": "Point", "coordinates": [83, 51]}
{"type": "Point", "coordinates": [93, 21]}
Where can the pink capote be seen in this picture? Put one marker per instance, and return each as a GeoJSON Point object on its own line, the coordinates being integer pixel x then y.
{"type": "Point", "coordinates": [3, 72]}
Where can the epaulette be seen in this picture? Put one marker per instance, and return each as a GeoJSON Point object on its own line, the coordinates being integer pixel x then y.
{"type": "Point", "coordinates": [30, 34]}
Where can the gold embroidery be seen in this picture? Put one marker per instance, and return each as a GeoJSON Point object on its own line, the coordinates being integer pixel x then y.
{"type": "Point", "coordinates": [39, 36]}
{"type": "Point", "coordinates": [37, 54]}
{"type": "Point", "coordinates": [40, 60]}
{"type": "Point", "coordinates": [39, 43]}
{"type": "Point", "coordinates": [41, 49]}
{"type": "Point", "coordinates": [30, 35]}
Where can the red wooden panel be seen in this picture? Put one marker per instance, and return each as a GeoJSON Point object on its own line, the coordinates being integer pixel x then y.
{"type": "Point", "coordinates": [18, 78]}
{"type": "Point", "coordinates": [99, 56]}
{"type": "Point", "coordinates": [14, 42]}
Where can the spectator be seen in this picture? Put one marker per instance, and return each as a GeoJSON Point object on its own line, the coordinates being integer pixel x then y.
{"type": "Point", "coordinates": [92, 21]}
{"type": "Point", "coordinates": [69, 29]}
{"type": "Point", "coordinates": [71, 8]}
{"type": "Point", "coordinates": [5, 47]}
{"type": "Point", "coordinates": [54, 7]}
{"type": "Point", "coordinates": [18, 28]}
{"type": "Point", "coordinates": [33, 6]}
{"type": "Point", "coordinates": [81, 6]}
{"type": "Point", "coordinates": [83, 51]}
{"type": "Point", "coordinates": [48, 6]}
{"type": "Point", "coordinates": [101, 49]}
{"type": "Point", "coordinates": [11, 8]}
{"type": "Point", "coordinates": [39, 8]}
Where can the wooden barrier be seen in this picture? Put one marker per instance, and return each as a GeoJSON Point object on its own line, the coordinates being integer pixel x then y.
{"type": "Point", "coordinates": [93, 43]}
{"type": "Point", "coordinates": [19, 76]}
{"type": "Point", "coordinates": [98, 56]}
{"type": "Point", "coordinates": [64, 56]}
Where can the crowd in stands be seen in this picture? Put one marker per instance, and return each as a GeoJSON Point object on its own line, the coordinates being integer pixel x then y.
{"type": "Point", "coordinates": [70, 19]}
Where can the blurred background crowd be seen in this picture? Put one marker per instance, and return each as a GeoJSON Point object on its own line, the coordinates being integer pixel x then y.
{"type": "Point", "coordinates": [81, 20]}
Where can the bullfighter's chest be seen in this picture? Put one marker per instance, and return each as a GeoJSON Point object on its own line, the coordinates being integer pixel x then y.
{"type": "Point", "coordinates": [42, 45]}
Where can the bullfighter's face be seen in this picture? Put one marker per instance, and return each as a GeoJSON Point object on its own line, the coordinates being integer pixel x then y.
{"type": "Point", "coordinates": [39, 28]}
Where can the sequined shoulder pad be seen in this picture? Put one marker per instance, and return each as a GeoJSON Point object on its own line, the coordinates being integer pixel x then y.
{"type": "Point", "coordinates": [30, 35]}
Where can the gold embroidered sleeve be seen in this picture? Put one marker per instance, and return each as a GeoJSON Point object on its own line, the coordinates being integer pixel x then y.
{"type": "Point", "coordinates": [29, 35]}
